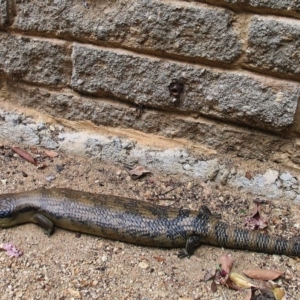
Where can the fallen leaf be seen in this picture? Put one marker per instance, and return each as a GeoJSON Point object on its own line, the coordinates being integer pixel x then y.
{"type": "Point", "coordinates": [278, 293]}
{"type": "Point", "coordinates": [213, 286]}
{"type": "Point", "coordinates": [256, 221]}
{"type": "Point", "coordinates": [263, 274]}
{"type": "Point", "coordinates": [159, 258]}
{"type": "Point", "coordinates": [24, 155]}
{"type": "Point", "coordinates": [11, 250]}
{"type": "Point", "coordinates": [138, 171]}
{"type": "Point", "coordinates": [229, 283]}
{"type": "Point", "coordinates": [240, 280]}
{"type": "Point", "coordinates": [248, 294]}
{"type": "Point", "coordinates": [51, 153]}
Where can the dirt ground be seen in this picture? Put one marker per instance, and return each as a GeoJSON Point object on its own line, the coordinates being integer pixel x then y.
{"type": "Point", "coordinates": [72, 266]}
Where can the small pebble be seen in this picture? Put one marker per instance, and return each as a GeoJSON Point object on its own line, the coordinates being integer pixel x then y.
{"type": "Point", "coordinates": [95, 282]}
{"type": "Point", "coordinates": [50, 178]}
{"type": "Point", "coordinates": [104, 258]}
{"type": "Point", "coordinates": [143, 265]}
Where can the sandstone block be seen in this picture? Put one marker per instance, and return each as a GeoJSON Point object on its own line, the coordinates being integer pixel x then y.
{"type": "Point", "coordinates": [3, 13]}
{"type": "Point", "coordinates": [177, 28]}
{"type": "Point", "coordinates": [274, 45]}
{"type": "Point", "coordinates": [35, 60]}
{"type": "Point", "coordinates": [232, 96]}
{"type": "Point", "coordinates": [208, 134]}
{"type": "Point", "coordinates": [284, 5]}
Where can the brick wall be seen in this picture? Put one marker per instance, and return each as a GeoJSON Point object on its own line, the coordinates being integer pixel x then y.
{"type": "Point", "coordinates": [223, 73]}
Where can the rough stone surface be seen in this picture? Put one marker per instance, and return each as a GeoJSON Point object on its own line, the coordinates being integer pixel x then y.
{"type": "Point", "coordinates": [231, 96]}
{"type": "Point", "coordinates": [35, 60]}
{"type": "Point", "coordinates": [179, 28]}
{"type": "Point", "coordinates": [19, 128]}
{"type": "Point", "coordinates": [285, 5]}
{"type": "Point", "coordinates": [271, 176]}
{"type": "Point", "coordinates": [211, 135]}
{"type": "Point", "coordinates": [174, 160]}
{"type": "Point", "coordinates": [3, 14]}
{"type": "Point", "coordinates": [274, 45]}
{"type": "Point", "coordinates": [277, 6]}
{"type": "Point", "coordinates": [274, 4]}
{"type": "Point", "coordinates": [259, 186]}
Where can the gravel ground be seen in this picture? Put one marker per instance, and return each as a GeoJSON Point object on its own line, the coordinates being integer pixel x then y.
{"type": "Point", "coordinates": [72, 266]}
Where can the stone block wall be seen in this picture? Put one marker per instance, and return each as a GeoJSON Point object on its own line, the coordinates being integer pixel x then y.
{"type": "Point", "coordinates": [223, 74]}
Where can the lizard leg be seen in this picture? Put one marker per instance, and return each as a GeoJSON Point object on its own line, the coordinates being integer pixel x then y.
{"type": "Point", "coordinates": [43, 222]}
{"type": "Point", "coordinates": [191, 244]}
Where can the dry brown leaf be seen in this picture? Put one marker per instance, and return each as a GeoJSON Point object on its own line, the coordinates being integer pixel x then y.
{"type": "Point", "coordinates": [232, 285]}
{"type": "Point", "coordinates": [51, 153]}
{"type": "Point", "coordinates": [255, 221]}
{"type": "Point", "coordinates": [263, 274]}
{"type": "Point", "coordinates": [240, 280]}
{"type": "Point", "coordinates": [278, 293]}
{"type": "Point", "coordinates": [138, 171]}
{"type": "Point", "coordinates": [24, 155]}
{"type": "Point", "coordinates": [214, 286]}
{"type": "Point", "coordinates": [159, 258]}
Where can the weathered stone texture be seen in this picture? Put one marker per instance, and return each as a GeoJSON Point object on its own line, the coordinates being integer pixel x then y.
{"type": "Point", "coordinates": [285, 5]}
{"type": "Point", "coordinates": [7, 12]}
{"type": "Point", "coordinates": [3, 13]}
{"type": "Point", "coordinates": [185, 29]}
{"type": "Point", "coordinates": [207, 134]}
{"type": "Point", "coordinates": [274, 45]}
{"type": "Point", "coordinates": [232, 96]}
{"type": "Point", "coordinates": [35, 60]}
